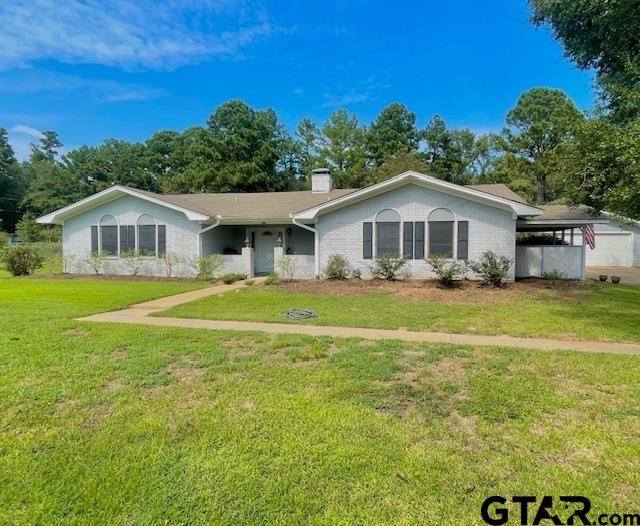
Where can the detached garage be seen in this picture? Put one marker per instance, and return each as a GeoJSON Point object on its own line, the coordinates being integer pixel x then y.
{"type": "Point", "coordinates": [617, 244]}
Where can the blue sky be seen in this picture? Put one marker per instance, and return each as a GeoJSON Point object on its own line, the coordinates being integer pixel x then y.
{"type": "Point", "coordinates": [93, 69]}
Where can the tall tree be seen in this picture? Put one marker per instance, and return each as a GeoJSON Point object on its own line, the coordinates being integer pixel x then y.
{"type": "Point", "coordinates": [246, 146]}
{"type": "Point", "coordinates": [11, 184]}
{"type": "Point", "coordinates": [308, 139]}
{"type": "Point", "coordinates": [47, 147]}
{"type": "Point", "coordinates": [343, 148]}
{"type": "Point", "coordinates": [601, 35]}
{"type": "Point", "coordinates": [540, 123]}
{"type": "Point", "coordinates": [392, 133]}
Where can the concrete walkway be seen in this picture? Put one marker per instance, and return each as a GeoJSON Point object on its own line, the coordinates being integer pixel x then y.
{"type": "Point", "coordinates": [140, 314]}
{"type": "Point", "coordinates": [628, 275]}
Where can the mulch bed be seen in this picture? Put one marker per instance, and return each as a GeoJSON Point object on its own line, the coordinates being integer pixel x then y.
{"type": "Point", "coordinates": [463, 291]}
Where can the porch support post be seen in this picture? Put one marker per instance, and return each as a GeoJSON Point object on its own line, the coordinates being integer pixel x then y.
{"type": "Point", "coordinates": [278, 254]}
{"type": "Point", "coordinates": [316, 244]}
{"type": "Point", "coordinates": [248, 261]}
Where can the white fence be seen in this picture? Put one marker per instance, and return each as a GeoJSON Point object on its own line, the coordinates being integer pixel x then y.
{"type": "Point", "coordinates": [536, 261]}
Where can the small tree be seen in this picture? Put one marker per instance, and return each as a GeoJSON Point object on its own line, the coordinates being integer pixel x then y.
{"type": "Point", "coordinates": [491, 268]}
{"type": "Point", "coordinates": [286, 267]}
{"type": "Point", "coordinates": [133, 261]}
{"type": "Point", "coordinates": [22, 260]}
{"type": "Point", "coordinates": [171, 260]}
{"type": "Point", "coordinates": [446, 270]}
{"type": "Point", "coordinates": [206, 267]}
{"type": "Point", "coordinates": [389, 267]}
{"type": "Point", "coordinates": [68, 260]}
{"type": "Point", "coordinates": [338, 267]}
{"type": "Point", "coordinates": [28, 230]}
{"type": "Point", "coordinates": [96, 261]}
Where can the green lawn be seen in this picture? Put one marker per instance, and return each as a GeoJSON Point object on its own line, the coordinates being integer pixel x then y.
{"type": "Point", "coordinates": [606, 312]}
{"type": "Point", "coordinates": [106, 424]}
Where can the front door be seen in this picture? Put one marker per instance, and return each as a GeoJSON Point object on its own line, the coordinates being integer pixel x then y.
{"type": "Point", "coordinates": [265, 242]}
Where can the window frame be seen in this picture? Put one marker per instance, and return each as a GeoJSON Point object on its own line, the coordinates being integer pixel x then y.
{"type": "Point", "coordinates": [100, 226]}
{"type": "Point", "coordinates": [453, 221]}
{"type": "Point", "coordinates": [153, 255]}
{"type": "Point", "coordinates": [398, 223]}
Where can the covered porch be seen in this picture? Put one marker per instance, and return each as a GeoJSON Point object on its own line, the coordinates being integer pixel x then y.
{"type": "Point", "coordinates": [547, 247]}
{"type": "Point", "coordinates": [256, 250]}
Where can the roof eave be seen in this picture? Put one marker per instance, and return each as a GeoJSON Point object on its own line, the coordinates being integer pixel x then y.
{"type": "Point", "coordinates": [58, 217]}
{"type": "Point", "coordinates": [518, 209]}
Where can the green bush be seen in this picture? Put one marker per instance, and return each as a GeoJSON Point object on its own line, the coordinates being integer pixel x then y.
{"type": "Point", "coordinates": [4, 238]}
{"type": "Point", "coordinates": [338, 267]}
{"type": "Point", "coordinates": [389, 267]}
{"type": "Point", "coordinates": [22, 260]}
{"type": "Point", "coordinates": [446, 270]}
{"type": "Point", "coordinates": [28, 230]}
{"type": "Point", "coordinates": [207, 267]}
{"type": "Point", "coordinates": [491, 268]}
{"type": "Point", "coordinates": [554, 275]}
{"type": "Point", "coordinates": [232, 277]}
{"type": "Point", "coordinates": [272, 279]}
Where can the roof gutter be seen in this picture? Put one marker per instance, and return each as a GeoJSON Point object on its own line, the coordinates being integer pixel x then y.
{"type": "Point", "coordinates": [316, 244]}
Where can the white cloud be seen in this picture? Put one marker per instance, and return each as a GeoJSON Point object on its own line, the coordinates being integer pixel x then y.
{"type": "Point", "coordinates": [26, 130]}
{"type": "Point", "coordinates": [127, 33]}
{"type": "Point", "coordinates": [31, 81]}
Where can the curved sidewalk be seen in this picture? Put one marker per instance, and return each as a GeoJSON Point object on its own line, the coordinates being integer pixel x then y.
{"type": "Point", "coordinates": [139, 314]}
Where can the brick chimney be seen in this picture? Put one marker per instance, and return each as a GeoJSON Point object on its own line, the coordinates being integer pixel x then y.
{"type": "Point", "coordinates": [321, 181]}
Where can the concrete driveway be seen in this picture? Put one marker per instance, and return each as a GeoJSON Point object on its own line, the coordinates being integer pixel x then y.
{"type": "Point", "coordinates": [628, 275]}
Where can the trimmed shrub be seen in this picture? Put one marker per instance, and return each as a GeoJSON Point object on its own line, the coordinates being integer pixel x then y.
{"type": "Point", "coordinates": [96, 261]}
{"type": "Point", "coordinates": [272, 279]}
{"type": "Point", "coordinates": [207, 267]}
{"type": "Point", "coordinates": [133, 261]}
{"type": "Point", "coordinates": [22, 260]}
{"type": "Point", "coordinates": [389, 267]}
{"type": "Point", "coordinates": [232, 277]}
{"type": "Point", "coordinates": [446, 270]}
{"type": "Point", "coordinates": [492, 269]}
{"type": "Point", "coordinates": [338, 267]}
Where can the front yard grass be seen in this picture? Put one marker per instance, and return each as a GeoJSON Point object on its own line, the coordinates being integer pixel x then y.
{"type": "Point", "coordinates": [117, 424]}
{"type": "Point", "coordinates": [591, 311]}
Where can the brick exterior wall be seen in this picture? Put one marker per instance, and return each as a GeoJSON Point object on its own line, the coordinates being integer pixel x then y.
{"type": "Point", "coordinates": [490, 228]}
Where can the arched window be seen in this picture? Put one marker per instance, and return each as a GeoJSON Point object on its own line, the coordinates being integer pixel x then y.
{"type": "Point", "coordinates": [109, 235]}
{"type": "Point", "coordinates": [147, 235]}
{"type": "Point", "coordinates": [388, 233]}
{"type": "Point", "coordinates": [441, 222]}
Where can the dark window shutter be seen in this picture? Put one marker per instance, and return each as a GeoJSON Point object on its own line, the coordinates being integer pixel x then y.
{"type": "Point", "coordinates": [127, 238]}
{"type": "Point", "coordinates": [419, 244]}
{"type": "Point", "coordinates": [407, 240]}
{"type": "Point", "coordinates": [162, 239]}
{"type": "Point", "coordinates": [463, 239]}
{"type": "Point", "coordinates": [94, 239]}
{"type": "Point", "coordinates": [367, 240]}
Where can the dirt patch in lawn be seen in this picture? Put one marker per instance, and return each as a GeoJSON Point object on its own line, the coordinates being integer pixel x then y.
{"type": "Point", "coordinates": [428, 290]}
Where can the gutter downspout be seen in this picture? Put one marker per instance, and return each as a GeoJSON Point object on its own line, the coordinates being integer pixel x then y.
{"type": "Point", "coordinates": [316, 244]}
{"type": "Point", "coordinates": [210, 227]}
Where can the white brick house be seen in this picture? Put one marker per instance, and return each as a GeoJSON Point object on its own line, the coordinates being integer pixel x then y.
{"type": "Point", "coordinates": [412, 214]}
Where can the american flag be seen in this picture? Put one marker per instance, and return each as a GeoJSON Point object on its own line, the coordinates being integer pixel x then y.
{"type": "Point", "coordinates": [589, 236]}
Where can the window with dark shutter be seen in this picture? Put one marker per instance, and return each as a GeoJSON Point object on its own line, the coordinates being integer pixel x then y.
{"type": "Point", "coordinates": [441, 238]}
{"type": "Point", "coordinates": [367, 240]}
{"type": "Point", "coordinates": [463, 239]}
{"type": "Point", "coordinates": [419, 242]}
{"type": "Point", "coordinates": [109, 235]}
{"type": "Point", "coordinates": [407, 240]}
{"type": "Point", "coordinates": [162, 239]}
{"type": "Point", "coordinates": [441, 222]}
{"type": "Point", "coordinates": [94, 239]}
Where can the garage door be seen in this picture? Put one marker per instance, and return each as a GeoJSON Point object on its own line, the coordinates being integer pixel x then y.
{"type": "Point", "coordinates": [612, 250]}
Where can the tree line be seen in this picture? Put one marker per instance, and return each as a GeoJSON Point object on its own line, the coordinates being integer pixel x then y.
{"type": "Point", "coordinates": [548, 151]}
